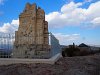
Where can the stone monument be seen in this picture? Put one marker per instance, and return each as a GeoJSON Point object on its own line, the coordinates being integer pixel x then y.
{"type": "Point", "coordinates": [32, 37]}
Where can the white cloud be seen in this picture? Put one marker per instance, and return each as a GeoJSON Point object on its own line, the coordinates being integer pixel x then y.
{"type": "Point", "coordinates": [15, 22]}
{"type": "Point", "coordinates": [96, 21]}
{"type": "Point", "coordinates": [72, 14]}
{"type": "Point", "coordinates": [67, 8]}
{"type": "Point", "coordinates": [93, 11]}
{"type": "Point", "coordinates": [10, 27]}
{"type": "Point", "coordinates": [65, 38]}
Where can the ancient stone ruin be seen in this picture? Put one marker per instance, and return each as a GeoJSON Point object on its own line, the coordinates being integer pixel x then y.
{"type": "Point", "coordinates": [32, 37]}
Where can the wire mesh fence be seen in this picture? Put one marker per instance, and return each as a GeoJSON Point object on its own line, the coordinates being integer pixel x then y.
{"type": "Point", "coordinates": [7, 45]}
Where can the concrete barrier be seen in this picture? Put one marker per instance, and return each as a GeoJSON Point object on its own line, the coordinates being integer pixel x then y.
{"type": "Point", "coordinates": [7, 61]}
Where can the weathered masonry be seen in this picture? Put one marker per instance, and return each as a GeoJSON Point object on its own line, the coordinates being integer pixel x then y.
{"type": "Point", "coordinates": [32, 38]}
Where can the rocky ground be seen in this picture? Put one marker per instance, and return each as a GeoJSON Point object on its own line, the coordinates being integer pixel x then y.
{"type": "Point", "coordinates": [85, 65]}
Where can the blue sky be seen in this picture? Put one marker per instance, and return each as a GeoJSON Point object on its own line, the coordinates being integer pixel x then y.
{"type": "Point", "coordinates": [69, 20]}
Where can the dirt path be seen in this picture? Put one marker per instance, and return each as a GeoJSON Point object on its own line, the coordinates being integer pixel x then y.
{"type": "Point", "coordinates": [86, 65]}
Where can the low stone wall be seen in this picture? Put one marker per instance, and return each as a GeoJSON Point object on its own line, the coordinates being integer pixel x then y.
{"type": "Point", "coordinates": [7, 61]}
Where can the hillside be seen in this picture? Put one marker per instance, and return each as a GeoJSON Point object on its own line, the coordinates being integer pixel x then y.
{"type": "Point", "coordinates": [86, 65]}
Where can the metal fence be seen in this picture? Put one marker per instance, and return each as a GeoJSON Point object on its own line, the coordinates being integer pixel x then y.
{"type": "Point", "coordinates": [55, 46]}
{"type": "Point", "coordinates": [7, 43]}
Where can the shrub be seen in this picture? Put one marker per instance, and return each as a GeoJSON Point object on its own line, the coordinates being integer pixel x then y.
{"type": "Point", "coordinates": [70, 52]}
